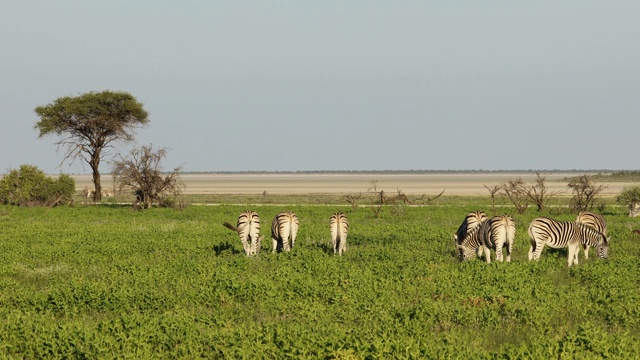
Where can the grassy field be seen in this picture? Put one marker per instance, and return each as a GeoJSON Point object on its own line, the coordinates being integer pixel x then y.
{"type": "Point", "coordinates": [104, 281]}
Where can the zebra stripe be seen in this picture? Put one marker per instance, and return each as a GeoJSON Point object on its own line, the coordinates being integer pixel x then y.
{"type": "Point", "coordinates": [471, 221]}
{"type": "Point", "coordinates": [248, 228]}
{"type": "Point", "coordinates": [498, 232]}
{"type": "Point", "coordinates": [339, 226]}
{"type": "Point", "coordinates": [561, 234]}
{"type": "Point", "coordinates": [284, 229]}
{"type": "Point", "coordinates": [595, 221]}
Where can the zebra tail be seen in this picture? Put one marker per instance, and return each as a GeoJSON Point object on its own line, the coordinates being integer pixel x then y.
{"type": "Point", "coordinates": [226, 224]}
{"type": "Point", "coordinates": [506, 231]}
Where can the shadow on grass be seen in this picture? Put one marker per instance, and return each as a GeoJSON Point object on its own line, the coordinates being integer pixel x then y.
{"type": "Point", "coordinates": [225, 248]}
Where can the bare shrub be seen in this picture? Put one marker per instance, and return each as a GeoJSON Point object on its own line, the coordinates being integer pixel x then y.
{"type": "Point", "coordinates": [493, 191]}
{"type": "Point", "coordinates": [522, 195]}
{"type": "Point", "coordinates": [518, 193]}
{"type": "Point", "coordinates": [538, 192]}
{"type": "Point", "coordinates": [584, 193]}
{"type": "Point", "coordinates": [353, 200]}
{"type": "Point", "coordinates": [141, 173]}
{"type": "Point", "coordinates": [429, 199]}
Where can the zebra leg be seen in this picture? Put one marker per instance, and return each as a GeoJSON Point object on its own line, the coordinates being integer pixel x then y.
{"type": "Point", "coordinates": [509, 244]}
{"type": "Point", "coordinates": [245, 245]}
{"type": "Point", "coordinates": [536, 250]}
{"type": "Point", "coordinates": [274, 243]}
{"type": "Point", "coordinates": [499, 256]}
{"type": "Point", "coordinates": [487, 254]}
{"type": "Point", "coordinates": [259, 244]}
{"type": "Point", "coordinates": [586, 252]}
{"type": "Point", "coordinates": [285, 234]}
{"type": "Point", "coordinates": [573, 255]}
{"type": "Point", "coordinates": [252, 245]}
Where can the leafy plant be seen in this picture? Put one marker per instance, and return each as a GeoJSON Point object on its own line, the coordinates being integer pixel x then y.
{"type": "Point", "coordinates": [30, 186]}
{"type": "Point", "coordinates": [104, 281]}
{"type": "Point", "coordinates": [630, 197]}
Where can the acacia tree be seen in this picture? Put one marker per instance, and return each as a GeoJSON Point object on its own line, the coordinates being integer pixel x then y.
{"type": "Point", "coordinates": [141, 172]}
{"type": "Point", "coordinates": [89, 123]}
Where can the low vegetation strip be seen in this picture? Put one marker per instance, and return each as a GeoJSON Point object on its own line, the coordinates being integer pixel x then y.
{"type": "Point", "coordinates": [107, 281]}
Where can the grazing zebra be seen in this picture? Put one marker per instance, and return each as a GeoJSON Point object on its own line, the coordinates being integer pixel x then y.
{"type": "Point", "coordinates": [496, 233]}
{"type": "Point", "coordinates": [562, 234]}
{"type": "Point", "coordinates": [284, 229]}
{"type": "Point", "coordinates": [595, 221]}
{"type": "Point", "coordinates": [472, 245]}
{"type": "Point", "coordinates": [339, 226]}
{"type": "Point", "coordinates": [248, 228]}
{"type": "Point", "coordinates": [471, 221]}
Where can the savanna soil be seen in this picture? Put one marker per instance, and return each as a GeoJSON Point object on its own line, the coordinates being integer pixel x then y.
{"type": "Point", "coordinates": [465, 184]}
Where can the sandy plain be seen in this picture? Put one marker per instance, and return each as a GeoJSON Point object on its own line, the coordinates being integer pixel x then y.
{"type": "Point", "coordinates": [472, 183]}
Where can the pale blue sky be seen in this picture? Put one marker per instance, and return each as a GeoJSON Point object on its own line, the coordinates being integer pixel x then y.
{"type": "Point", "coordinates": [336, 85]}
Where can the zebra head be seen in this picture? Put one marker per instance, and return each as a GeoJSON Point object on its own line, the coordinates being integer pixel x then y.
{"type": "Point", "coordinates": [603, 248]}
{"type": "Point", "coordinates": [465, 253]}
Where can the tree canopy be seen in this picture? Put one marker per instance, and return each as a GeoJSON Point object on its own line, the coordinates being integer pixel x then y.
{"type": "Point", "coordinates": [89, 123]}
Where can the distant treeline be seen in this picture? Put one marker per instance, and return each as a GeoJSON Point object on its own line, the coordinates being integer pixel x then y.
{"type": "Point", "coordinates": [601, 172]}
{"type": "Point", "coordinates": [620, 176]}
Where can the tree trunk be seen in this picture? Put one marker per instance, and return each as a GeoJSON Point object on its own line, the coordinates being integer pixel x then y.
{"type": "Point", "coordinates": [95, 164]}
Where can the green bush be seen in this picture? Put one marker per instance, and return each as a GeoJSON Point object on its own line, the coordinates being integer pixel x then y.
{"type": "Point", "coordinates": [30, 186]}
{"type": "Point", "coordinates": [629, 195]}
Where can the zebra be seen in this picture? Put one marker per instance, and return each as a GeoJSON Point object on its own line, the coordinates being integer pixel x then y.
{"type": "Point", "coordinates": [339, 226]}
{"type": "Point", "coordinates": [561, 234]}
{"type": "Point", "coordinates": [284, 229]}
{"type": "Point", "coordinates": [472, 245]}
{"type": "Point", "coordinates": [471, 221]}
{"type": "Point", "coordinates": [595, 221]}
{"type": "Point", "coordinates": [248, 228]}
{"type": "Point", "coordinates": [496, 233]}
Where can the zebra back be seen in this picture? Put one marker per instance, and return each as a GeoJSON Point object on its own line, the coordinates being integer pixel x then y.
{"type": "Point", "coordinates": [471, 221]}
{"type": "Point", "coordinates": [499, 230]}
{"type": "Point", "coordinates": [284, 229]}
{"type": "Point", "coordinates": [339, 227]}
{"type": "Point", "coordinates": [593, 220]}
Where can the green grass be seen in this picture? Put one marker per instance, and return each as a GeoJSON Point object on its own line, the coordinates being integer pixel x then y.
{"type": "Point", "coordinates": [106, 281]}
